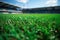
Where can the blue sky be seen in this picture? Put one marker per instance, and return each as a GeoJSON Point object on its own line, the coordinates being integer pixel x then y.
{"type": "Point", "coordinates": [34, 3]}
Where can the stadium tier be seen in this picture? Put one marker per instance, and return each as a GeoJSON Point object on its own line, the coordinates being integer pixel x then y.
{"type": "Point", "coordinates": [5, 7]}
{"type": "Point", "coordinates": [54, 9]}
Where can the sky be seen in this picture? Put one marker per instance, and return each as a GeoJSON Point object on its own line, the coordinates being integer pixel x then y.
{"type": "Point", "coordinates": [38, 3]}
{"type": "Point", "coordinates": [34, 3]}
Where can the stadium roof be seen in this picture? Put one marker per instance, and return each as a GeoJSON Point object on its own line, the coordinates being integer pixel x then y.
{"type": "Point", "coordinates": [2, 4]}
{"type": "Point", "coordinates": [12, 2]}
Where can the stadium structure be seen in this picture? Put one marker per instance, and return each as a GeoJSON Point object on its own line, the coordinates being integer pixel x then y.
{"type": "Point", "coordinates": [54, 9]}
{"type": "Point", "coordinates": [5, 6]}
{"type": "Point", "coordinates": [10, 8]}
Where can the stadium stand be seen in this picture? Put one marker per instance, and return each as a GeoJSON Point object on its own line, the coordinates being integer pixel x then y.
{"type": "Point", "coordinates": [5, 7]}
{"type": "Point", "coordinates": [55, 9]}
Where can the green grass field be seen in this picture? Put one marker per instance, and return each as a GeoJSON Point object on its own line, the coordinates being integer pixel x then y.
{"type": "Point", "coordinates": [29, 26]}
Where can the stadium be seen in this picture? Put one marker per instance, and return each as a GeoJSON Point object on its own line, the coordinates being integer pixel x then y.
{"type": "Point", "coordinates": [54, 9]}
{"type": "Point", "coordinates": [9, 8]}
{"type": "Point", "coordinates": [40, 23]}
{"type": "Point", "coordinates": [12, 8]}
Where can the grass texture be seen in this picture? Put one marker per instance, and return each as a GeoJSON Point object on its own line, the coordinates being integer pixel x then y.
{"type": "Point", "coordinates": [29, 26]}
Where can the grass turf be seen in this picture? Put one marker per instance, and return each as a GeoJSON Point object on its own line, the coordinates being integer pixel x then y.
{"type": "Point", "coordinates": [29, 26]}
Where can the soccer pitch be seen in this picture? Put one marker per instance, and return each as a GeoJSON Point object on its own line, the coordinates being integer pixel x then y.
{"type": "Point", "coordinates": [29, 26]}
